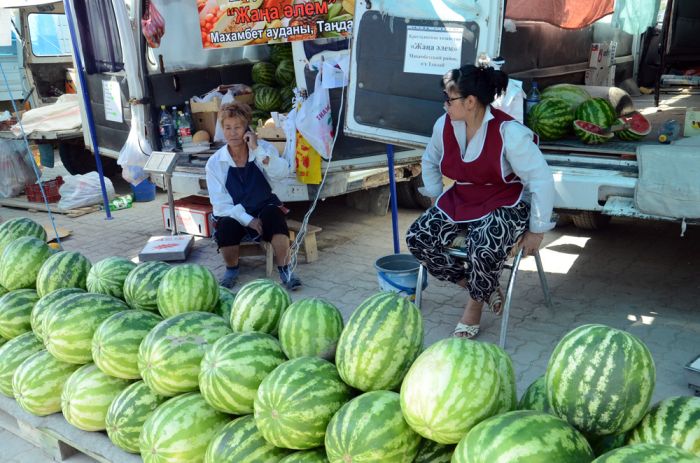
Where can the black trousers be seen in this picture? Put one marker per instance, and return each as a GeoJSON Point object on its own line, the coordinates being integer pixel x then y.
{"type": "Point", "coordinates": [230, 232]}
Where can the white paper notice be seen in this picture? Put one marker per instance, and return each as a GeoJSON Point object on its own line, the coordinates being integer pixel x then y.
{"type": "Point", "coordinates": [5, 28]}
{"type": "Point", "coordinates": [113, 100]}
{"type": "Point", "coordinates": [432, 50]}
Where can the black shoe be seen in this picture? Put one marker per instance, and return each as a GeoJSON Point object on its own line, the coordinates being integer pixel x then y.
{"type": "Point", "coordinates": [292, 283]}
{"type": "Point", "coordinates": [228, 282]}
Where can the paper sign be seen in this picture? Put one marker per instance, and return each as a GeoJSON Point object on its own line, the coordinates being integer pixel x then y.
{"type": "Point", "coordinates": [333, 76]}
{"type": "Point", "coordinates": [5, 28]}
{"type": "Point", "coordinates": [432, 50]}
{"type": "Point", "coordinates": [112, 95]}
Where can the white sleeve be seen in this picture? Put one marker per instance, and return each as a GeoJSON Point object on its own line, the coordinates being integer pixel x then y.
{"type": "Point", "coordinates": [278, 167]}
{"type": "Point", "coordinates": [430, 164]}
{"type": "Point", "coordinates": [220, 198]}
{"type": "Point", "coordinates": [528, 163]}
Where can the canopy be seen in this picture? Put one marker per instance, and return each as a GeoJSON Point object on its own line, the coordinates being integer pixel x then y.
{"type": "Point", "coordinates": [567, 14]}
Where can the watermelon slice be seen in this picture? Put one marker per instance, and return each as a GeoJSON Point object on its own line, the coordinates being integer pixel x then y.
{"type": "Point", "coordinates": [590, 133]}
{"type": "Point", "coordinates": [634, 127]}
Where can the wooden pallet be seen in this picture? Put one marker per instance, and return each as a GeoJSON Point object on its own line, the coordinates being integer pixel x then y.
{"type": "Point", "coordinates": [21, 202]}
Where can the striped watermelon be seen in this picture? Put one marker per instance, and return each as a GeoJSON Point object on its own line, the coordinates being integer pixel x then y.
{"type": "Point", "coordinates": [38, 382]}
{"type": "Point", "coordinates": [43, 305]}
{"type": "Point", "coordinates": [281, 51]}
{"type": "Point", "coordinates": [263, 73]}
{"type": "Point", "coordinates": [673, 421]}
{"type": "Point", "coordinates": [70, 325]}
{"type": "Point", "coordinates": [608, 387]}
{"type": "Point", "coordinates": [87, 395]}
{"type": "Point", "coordinates": [284, 73]}
{"type": "Point", "coordinates": [523, 436]}
{"type": "Point", "coordinates": [535, 397]}
{"type": "Point", "coordinates": [572, 94]}
{"type": "Point", "coordinates": [310, 328]}
{"type": "Point", "coordinates": [287, 96]}
{"type": "Point", "coordinates": [434, 390]}
{"type": "Point", "coordinates": [187, 288]}
{"type": "Point", "coordinates": [233, 368]}
{"type": "Point", "coordinates": [240, 441]}
{"type": "Point", "coordinates": [21, 261]}
{"type": "Point", "coordinates": [62, 270]}
{"type": "Point", "coordinates": [605, 444]}
{"type": "Point", "coordinates": [3, 291]}
{"type": "Point", "coordinates": [598, 111]}
{"type": "Point", "coordinates": [141, 285]}
{"type": "Point", "coordinates": [508, 395]}
{"type": "Point", "coordinates": [590, 133]}
{"type": "Point", "coordinates": [128, 412]}
{"type": "Point", "coordinates": [259, 305]}
{"type": "Point", "coordinates": [170, 355]}
{"type": "Point", "coordinates": [223, 307]}
{"type": "Point", "coordinates": [17, 228]}
{"type": "Point", "coordinates": [108, 275]}
{"type": "Point", "coordinates": [12, 354]}
{"type": "Point", "coordinates": [290, 418]}
{"type": "Point", "coordinates": [307, 456]}
{"type": "Point", "coordinates": [433, 452]}
{"type": "Point", "coordinates": [636, 127]}
{"type": "Point", "coordinates": [648, 453]}
{"type": "Point", "coordinates": [551, 119]}
{"type": "Point", "coordinates": [380, 342]}
{"type": "Point", "coordinates": [268, 99]}
{"type": "Point", "coordinates": [179, 431]}
{"type": "Point", "coordinates": [15, 312]}
{"type": "Point", "coordinates": [371, 429]}
{"type": "Point", "coordinates": [115, 344]}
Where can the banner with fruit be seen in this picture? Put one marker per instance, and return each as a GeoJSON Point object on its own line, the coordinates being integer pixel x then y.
{"type": "Point", "coordinates": [225, 23]}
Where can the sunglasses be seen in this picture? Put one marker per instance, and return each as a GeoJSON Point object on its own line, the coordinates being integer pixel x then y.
{"type": "Point", "coordinates": [449, 100]}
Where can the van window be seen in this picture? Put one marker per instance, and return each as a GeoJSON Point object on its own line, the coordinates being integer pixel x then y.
{"type": "Point", "coordinates": [49, 34]}
{"type": "Point", "coordinates": [99, 35]}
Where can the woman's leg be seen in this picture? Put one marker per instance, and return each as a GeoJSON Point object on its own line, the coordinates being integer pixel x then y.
{"type": "Point", "coordinates": [276, 232]}
{"type": "Point", "coordinates": [228, 235]}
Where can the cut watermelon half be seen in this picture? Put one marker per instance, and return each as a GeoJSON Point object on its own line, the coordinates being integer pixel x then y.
{"type": "Point", "coordinates": [590, 133]}
{"type": "Point", "coordinates": [634, 127]}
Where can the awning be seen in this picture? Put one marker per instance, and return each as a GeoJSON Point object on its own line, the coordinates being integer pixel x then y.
{"type": "Point", "coordinates": [567, 14]}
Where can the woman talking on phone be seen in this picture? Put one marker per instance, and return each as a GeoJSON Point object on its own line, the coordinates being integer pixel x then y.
{"type": "Point", "coordinates": [238, 180]}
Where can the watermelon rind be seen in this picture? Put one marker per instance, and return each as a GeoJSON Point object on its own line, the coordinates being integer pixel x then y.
{"type": "Point", "coordinates": [598, 111]}
{"type": "Point", "coordinates": [107, 276]}
{"type": "Point", "coordinates": [635, 127]}
{"type": "Point", "coordinates": [12, 354]}
{"type": "Point", "coordinates": [268, 99]}
{"type": "Point", "coordinates": [15, 312]}
{"type": "Point", "coordinates": [43, 305]}
{"type": "Point", "coordinates": [223, 307]}
{"type": "Point", "coordinates": [263, 73]}
{"type": "Point", "coordinates": [258, 306]}
{"type": "Point", "coordinates": [284, 72]}
{"type": "Point", "coordinates": [310, 328]}
{"type": "Point", "coordinates": [64, 269]}
{"type": "Point", "coordinates": [141, 285]}
{"type": "Point", "coordinates": [240, 441]}
{"type": "Point", "coordinates": [20, 262]}
{"type": "Point", "coordinates": [550, 119]}
{"type": "Point", "coordinates": [307, 456]}
{"type": "Point", "coordinates": [128, 412]}
{"type": "Point", "coordinates": [17, 228]}
{"type": "Point", "coordinates": [187, 288]}
{"type": "Point", "coordinates": [574, 95]}
{"type": "Point", "coordinates": [433, 452]}
{"type": "Point", "coordinates": [648, 453]}
{"type": "Point", "coordinates": [508, 394]}
{"type": "Point", "coordinates": [535, 397]}
{"type": "Point", "coordinates": [584, 132]}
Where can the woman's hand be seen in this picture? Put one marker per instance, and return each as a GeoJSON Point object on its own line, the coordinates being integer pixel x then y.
{"type": "Point", "coordinates": [251, 140]}
{"type": "Point", "coordinates": [531, 243]}
{"type": "Point", "coordinates": [256, 224]}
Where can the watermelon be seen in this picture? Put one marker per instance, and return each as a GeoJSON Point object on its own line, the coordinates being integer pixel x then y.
{"type": "Point", "coordinates": [223, 307]}
{"type": "Point", "coordinates": [307, 456]}
{"type": "Point", "coordinates": [433, 452]}
{"type": "Point", "coordinates": [240, 441]}
{"type": "Point", "coordinates": [508, 395]}
{"type": "Point", "coordinates": [297, 400]}
{"type": "Point", "coordinates": [179, 431]}
{"type": "Point", "coordinates": [233, 368]}
{"type": "Point", "coordinates": [43, 305]}
{"type": "Point", "coordinates": [535, 397]}
{"type": "Point", "coordinates": [380, 342]}
{"type": "Point", "coordinates": [434, 390]}
{"type": "Point", "coordinates": [87, 395]}
{"type": "Point", "coordinates": [598, 111]}
{"type": "Point", "coordinates": [268, 99]}
{"type": "Point", "coordinates": [12, 354]}
{"type": "Point", "coordinates": [371, 429]}
{"type": "Point", "coordinates": [170, 355]}
{"type": "Point", "coordinates": [284, 73]}
{"type": "Point", "coordinates": [259, 305]}
{"type": "Point", "coordinates": [128, 412]}
{"type": "Point", "coordinates": [590, 133]}
{"type": "Point", "coordinates": [550, 119]}
{"type": "Point", "coordinates": [70, 325]}
{"type": "Point", "coordinates": [605, 444]}
{"type": "Point", "coordinates": [115, 344]}
{"type": "Point", "coordinates": [187, 288]}
{"type": "Point", "coordinates": [141, 285]}
{"type": "Point", "coordinates": [310, 327]}
{"type": "Point", "coordinates": [572, 94]}
{"type": "Point", "coordinates": [108, 275]}
{"type": "Point", "coordinates": [263, 73]}
{"type": "Point", "coordinates": [673, 421]}
{"type": "Point", "coordinates": [3, 291]}
{"type": "Point", "coordinates": [62, 270]}
{"type": "Point", "coordinates": [287, 96]}
{"type": "Point", "coordinates": [608, 387]}
{"type": "Point", "coordinates": [280, 52]}
{"type": "Point", "coordinates": [523, 436]}
{"type": "Point", "coordinates": [648, 453]}
{"type": "Point", "coordinates": [17, 228]}
{"type": "Point", "coordinates": [15, 312]}
{"type": "Point", "coordinates": [635, 126]}
{"type": "Point", "coordinates": [20, 262]}
{"type": "Point", "coordinates": [38, 382]}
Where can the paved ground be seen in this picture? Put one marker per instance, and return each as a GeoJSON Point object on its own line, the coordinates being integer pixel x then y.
{"type": "Point", "coordinates": [637, 276]}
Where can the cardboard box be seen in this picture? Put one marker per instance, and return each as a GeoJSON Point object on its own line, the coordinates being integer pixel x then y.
{"type": "Point", "coordinates": [602, 54]}
{"type": "Point", "coordinates": [692, 122]}
{"type": "Point", "coordinates": [604, 77]}
{"type": "Point", "coordinates": [271, 133]}
{"type": "Point", "coordinates": [193, 215]}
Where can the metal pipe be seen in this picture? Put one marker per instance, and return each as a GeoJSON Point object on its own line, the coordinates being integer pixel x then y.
{"type": "Point", "coordinates": [392, 197]}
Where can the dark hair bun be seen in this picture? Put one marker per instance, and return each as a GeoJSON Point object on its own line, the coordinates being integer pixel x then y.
{"type": "Point", "coordinates": [485, 83]}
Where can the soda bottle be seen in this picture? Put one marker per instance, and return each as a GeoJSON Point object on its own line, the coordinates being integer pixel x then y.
{"type": "Point", "coordinates": [669, 131]}
{"type": "Point", "coordinates": [166, 126]}
{"type": "Point", "coordinates": [184, 129]}
{"type": "Point", "coordinates": [121, 202]}
{"type": "Point", "coordinates": [532, 98]}
{"type": "Point", "coordinates": [178, 141]}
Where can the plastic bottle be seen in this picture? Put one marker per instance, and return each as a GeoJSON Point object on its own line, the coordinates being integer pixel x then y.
{"type": "Point", "coordinates": [184, 129]}
{"type": "Point", "coordinates": [166, 126]}
{"type": "Point", "coordinates": [173, 114]}
{"type": "Point", "coordinates": [532, 98]}
{"type": "Point", "coordinates": [669, 131]}
{"type": "Point", "coordinates": [121, 202]}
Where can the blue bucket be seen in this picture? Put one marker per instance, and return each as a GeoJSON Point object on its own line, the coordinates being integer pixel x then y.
{"type": "Point", "coordinates": [46, 154]}
{"type": "Point", "coordinates": [399, 273]}
{"type": "Point", "coordinates": [144, 191]}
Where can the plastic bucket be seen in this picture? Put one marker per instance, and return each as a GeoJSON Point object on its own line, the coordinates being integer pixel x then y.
{"type": "Point", "coordinates": [399, 273]}
{"type": "Point", "coordinates": [46, 154]}
{"type": "Point", "coordinates": [144, 191]}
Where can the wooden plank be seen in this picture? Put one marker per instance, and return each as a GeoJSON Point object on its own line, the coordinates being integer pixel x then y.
{"type": "Point", "coordinates": [22, 203]}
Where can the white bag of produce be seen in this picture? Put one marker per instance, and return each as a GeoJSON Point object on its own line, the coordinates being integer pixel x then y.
{"type": "Point", "coordinates": [83, 190]}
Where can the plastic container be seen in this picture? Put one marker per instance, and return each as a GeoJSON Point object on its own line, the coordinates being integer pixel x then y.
{"type": "Point", "coordinates": [532, 98]}
{"type": "Point", "coordinates": [669, 132]}
{"type": "Point", "coordinates": [46, 154]}
{"type": "Point", "coordinates": [121, 202]}
{"type": "Point", "coordinates": [50, 188]}
{"type": "Point", "coordinates": [166, 126]}
{"type": "Point", "coordinates": [399, 273]}
{"type": "Point", "coordinates": [144, 191]}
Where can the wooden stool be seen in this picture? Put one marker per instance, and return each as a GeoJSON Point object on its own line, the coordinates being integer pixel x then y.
{"type": "Point", "coordinates": [310, 247]}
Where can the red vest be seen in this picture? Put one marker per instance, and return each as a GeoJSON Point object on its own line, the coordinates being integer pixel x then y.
{"type": "Point", "coordinates": [480, 187]}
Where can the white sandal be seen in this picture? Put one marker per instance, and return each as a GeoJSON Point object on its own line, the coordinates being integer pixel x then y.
{"type": "Point", "coordinates": [469, 330]}
{"type": "Point", "coordinates": [496, 299]}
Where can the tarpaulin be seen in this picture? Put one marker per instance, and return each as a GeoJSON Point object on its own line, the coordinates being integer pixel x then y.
{"type": "Point", "coordinates": [567, 14]}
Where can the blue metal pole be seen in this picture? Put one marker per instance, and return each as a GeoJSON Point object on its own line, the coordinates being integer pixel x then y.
{"type": "Point", "coordinates": [86, 100]}
{"type": "Point", "coordinates": [392, 197]}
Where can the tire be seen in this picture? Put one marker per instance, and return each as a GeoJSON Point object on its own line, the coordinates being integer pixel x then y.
{"type": "Point", "coordinates": [588, 220]}
{"type": "Point", "coordinates": [78, 160]}
{"type": "Point", "coordinates": [404, 195]}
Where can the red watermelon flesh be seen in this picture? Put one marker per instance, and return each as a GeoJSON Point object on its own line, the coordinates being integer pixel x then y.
{"type": "Point", "coordinates": [590, 133]}
{"type": "Point", "coordinates": [635, 127]}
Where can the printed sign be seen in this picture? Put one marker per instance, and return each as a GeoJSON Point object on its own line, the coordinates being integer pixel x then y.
{"type": "Point", "coordinates": [432, 50]}
{"type": "Point", "coordinates": [112, 95]}
{"type": "Point", "coordinates": [236, 23]}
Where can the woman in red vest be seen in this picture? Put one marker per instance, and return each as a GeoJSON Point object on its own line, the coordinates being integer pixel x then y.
{"type": "Point", "coordinates": [503, 191]}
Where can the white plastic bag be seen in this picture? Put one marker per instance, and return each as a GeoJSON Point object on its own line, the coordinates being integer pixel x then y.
{"type": "Point", "coordinates": [230, 97]}
{"type": "Point", "coordinates": [135, 152]}
{"type": "Point", "coordinates": [83, 190]}
{"type": "Point", "coordinates": [512, 101]}
{"type": "Point", "coordinates": [15, 169]}
{"type": "Point", "coordinates": [314, 120]}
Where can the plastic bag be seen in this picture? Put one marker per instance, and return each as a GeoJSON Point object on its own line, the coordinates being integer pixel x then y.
{"type": "Point", "coordinates": [230, 97]}
{"type": "Point", "coordinates": [15, 169]}
{"type": "Point", "coordinates": [308, 162]}
{"type": "Point", "coordinates": [83, 190]}
{"type": "Point", "coordinates": [512, 101]}
{"type": "Point", "coordinates": [314, 120]}
{"type": "Point", "coordinates": [152, 25]}
{"type": "Point", "coordinates": [135, 152]}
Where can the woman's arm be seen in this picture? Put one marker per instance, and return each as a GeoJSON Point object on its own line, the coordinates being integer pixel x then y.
{"type": "Point", "coordinates": [268, 158]}
{"type": "Point", "coordinates": [220, 198]}
{"type": "Point", "coordinates": [430, 163]}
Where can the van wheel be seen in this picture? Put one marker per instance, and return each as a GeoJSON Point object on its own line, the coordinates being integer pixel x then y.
{"type": "Point", "coordinates": [404, 195]}
{"type": "Point", "coordinates": [78, 160]}
{"type": "Point", "coordinates": [588, 220]}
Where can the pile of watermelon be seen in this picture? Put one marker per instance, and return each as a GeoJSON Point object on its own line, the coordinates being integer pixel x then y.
{"type": "Point", "coordinates": [175, 368]}
{"type": "Point", "coordinates": [274, 82]}
{"type": "Point", "coordinates": [566, 108]}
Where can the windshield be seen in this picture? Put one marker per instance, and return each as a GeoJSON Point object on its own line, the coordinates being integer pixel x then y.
{"type": "Point", "coordinates": [49, 34]}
